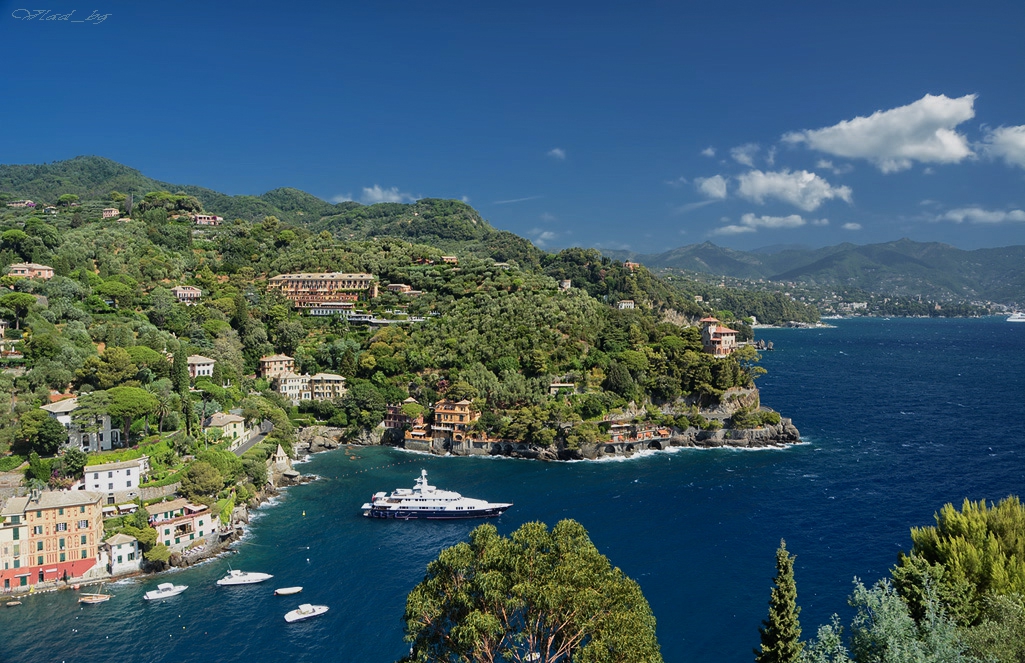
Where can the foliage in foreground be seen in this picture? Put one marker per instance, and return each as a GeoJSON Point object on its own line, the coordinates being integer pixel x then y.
{"type": "Point", "coordinates": [537, 592]}
{"type": "Point", "coordinates": [781, 632]}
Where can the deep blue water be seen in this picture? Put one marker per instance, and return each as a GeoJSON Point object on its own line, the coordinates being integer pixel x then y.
{"type": "Point", "coordinates": [900, 416]}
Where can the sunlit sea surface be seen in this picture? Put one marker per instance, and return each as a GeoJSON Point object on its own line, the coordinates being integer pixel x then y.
{"type": "Point", "coordinates": [899, 417]}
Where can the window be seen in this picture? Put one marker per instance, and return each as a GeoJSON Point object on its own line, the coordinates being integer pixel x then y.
{"type": "Point", "coordinates": [39, 546]}
{"type": "Point", "coordinates": [167, 532]}
{"type": "Point", "coordinates": [38, 529]}
{"type": "Point", "coordinates": [39, 561]}
{"type": "Point", "coordinates": [83, 554]}
{"type": "Point", "coordinates": [96, 475]}
{"type": "Point", "coordinates": [81, 509]}
{"type": "Point", "coordinates": [60, 511]}
{"type": "Point", "coordinates": [63, 558]}
{"type": "Point", "coordinates": [83, 539]}
{"type": "Point", "coordinates": [17, 565]}
{"type": "Point", "coordinates": [39, 514]}
{"type": "Point", "coordinates": [83, 524]}
{"type": "Point", "coordinates": [61, 527]}
{"type": "Point", "coordinates": [110, 475]}
{"type": "Point", "coordinates": [128, 472]}
{"type": "Point", "coordinates": [110, 486]}
{"type": "Point", "coordinates": [16, 533]}
{"type": "Point", "coordinates": [15, 520]}
{"type": "Point", "coordinates": [129, 484]}
{"type": "Point", "coordinates": [119, 559]}
{"type": "Point", "coordinates": [17, 549]}
{"type": "Point", "coordinates": [61, 544]}
{"type": "Point", "coordinates": [131, 557]}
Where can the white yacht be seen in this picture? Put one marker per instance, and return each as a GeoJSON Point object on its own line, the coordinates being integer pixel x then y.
{"type": "Point", "coordinates": [163, 591]}
{"type": "Point", "coordinates": [305, 611]}
{"type": "Point", "coordinates": [236, 577]}
{"type": "Point", "coordinates": [427, 502]}
{"type": "Point", "coordinates": [1017, 317]}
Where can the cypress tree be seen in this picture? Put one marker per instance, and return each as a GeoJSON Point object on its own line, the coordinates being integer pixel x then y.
{"type": "Point", "coordinates": [781, 632]}
{"type": "Point", "coordinates": [180, 371]}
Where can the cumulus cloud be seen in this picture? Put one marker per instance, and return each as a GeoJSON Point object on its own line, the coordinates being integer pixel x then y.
{"type": "Point", "coordinates": [750, 223]}
{"type": "Point", "coordinates": [708, 151]}
{"type": "Point", "coordinates": [851, 226]}
{"type": "Point", "coordinates": [799, 188]}
{"type": "Point", "coordinates": [1007, 143]}
{"type": "Point", "coordinates": [557, 153]}
{"type": "Point", "coordinates": [745, 154]}
{"type": "Point", "coordinates": [980, 215]}
{"type": "Point", "coordinates": [922, 131]}
{"type": "Point", "coordinates": [712, 187]}
{"type": "Point", "coordinates": [342, 198]}
{"type": "Point", "coordinates": [375, 194]}
{"type": "Point", "coordinates": [540, 237]}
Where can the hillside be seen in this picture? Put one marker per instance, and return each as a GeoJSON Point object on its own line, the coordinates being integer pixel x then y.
{"type": "Point", "coordinates": [903, 267]}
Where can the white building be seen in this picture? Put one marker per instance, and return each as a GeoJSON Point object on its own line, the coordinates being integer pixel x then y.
{"type": "Point", "coordinates": [200, 366]}
{"type": "Point", "coordinates": [231, 426]}
{"type": "Point", "coordinates": [104, 438]}
{"type": "Point", "coordinates": [123, 555]}
{"type": "Point", "coordinates": [120, 481]}
{"type": "Point", "coordinates": [181, 525]}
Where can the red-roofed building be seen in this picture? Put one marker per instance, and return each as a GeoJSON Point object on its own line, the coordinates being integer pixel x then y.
{"type": "Point", "coordinates": [717, 339]}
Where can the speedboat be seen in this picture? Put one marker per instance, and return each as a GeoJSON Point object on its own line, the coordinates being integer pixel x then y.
{"type": "Point", "coordinates": [164, 590]}
{"type": "Point", "coordinates": [427, 502]}
{"type": "Point", "coordinates": [1017, 317]}
{"type": "Point", "coordinates": [305, 611]}
{"type": "Point", "coordinates": [287, 591]}
{"type": "Point", "coordinates": [235, 577]}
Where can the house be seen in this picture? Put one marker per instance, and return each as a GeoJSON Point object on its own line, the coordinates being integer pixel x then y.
{"type": "Point", "coordinates": [123, 554]}
{"type": "Point", "coordinates": [119, 481]}
{"type": "Point", "coordinates": [717, 339]}
{"type": "Point", "coordinates": [631, 265]}
{"type": "Point", "coordinates": [394, 418]}
{"type": "Point", "coordinates": [326, 387]}
{"type": "Point", "coordinates": [565, 284]}
{"type": "Point", "coordinates": [206, 220]}
{"type": "Point", "coordinates": [187, 294]}
{"type": "Point", "coordinates": [53, 535]}
{"type": "Point", "coordinates": [453, 420]}
{"type": "Point", "coordinates": [399, 288]}
{"type": "Point", "coordinates": [451, 260]}
{"type": "Point", "coordinates": [31, 270]}
{"type": "Point", "coordinates": [21, 203]}
{"type": "Point", "coordinates": [181, 524]}
{"type": "Point", "coordinates": [232, 427]}
{"type": "Point", "coordinates": [554, 387]}
{"type": "Point", "coordinates": [97, 436]}
{"type": "Point", "coordinates": [273, 366]}
{"type": "Point", "coordinates": [307, 290]}
{"type": "Point", "coordinates": [50, 210]}
{"type": "Point", "coordinates": [293, 387]}
{"type": "Point", "coordinates": [625, 304]}
{"type": "Point", "coordinates": [200, 366]}
{"type": "Point", "coordinates": [111, 212]}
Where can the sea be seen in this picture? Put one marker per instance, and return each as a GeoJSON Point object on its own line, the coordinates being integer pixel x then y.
{"type": "Point", "coordinates": [898, 417]}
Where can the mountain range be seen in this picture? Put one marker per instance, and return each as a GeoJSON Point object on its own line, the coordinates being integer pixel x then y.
{"type": "Point", "coordinates": [902, 267]}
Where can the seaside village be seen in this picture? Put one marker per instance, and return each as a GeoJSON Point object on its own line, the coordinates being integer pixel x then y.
{"type": "Point", "coordinates": [56, 538]}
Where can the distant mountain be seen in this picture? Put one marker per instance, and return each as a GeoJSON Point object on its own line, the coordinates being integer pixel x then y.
{"type": "Point", "coordinates": [447, 224]}
{"type": "Point", "coordinates": [902, 267]}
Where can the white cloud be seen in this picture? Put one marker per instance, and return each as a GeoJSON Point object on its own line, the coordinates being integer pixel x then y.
{"type": "Point", "coordinates": [745, 154]}
{"type": "Point", "coordinates": [557, 153]}
{"type": "Point", "coordinates": [712, 187]}
{"type": "Point", "coordinates": [678, 182]}
{"type": "Point", "coordinates": [979, 215]}
{"type": "Point", "coordinates": [375, 194]}
{"type": "Point", "coordinates": [1007, 143]}
{"type": "Point", "coordinates": [826, 164]}
{"type": "Point", "coordinates": [770, 158]}
{"type": "Point", "coordinates": [750, 223]}
{"type": "Point", "coordinates": [547, 217]}
{"type": "Point", "coordinates": [690, 207]}
{"type": "Point", "coordinates": [799, 188]}
{"type": "Point", "coordinates": [851, 226]}
{"type": "Point", "coordinates": [922, 131]}
{"type": "Point", "coordinates": [708, 151]}
{"type": "Point", "coordinates": [541, 238]}
{"type": "Point", "coordinates": [342, 198]}
{"type": "Point", "coordinates": [465, 199]}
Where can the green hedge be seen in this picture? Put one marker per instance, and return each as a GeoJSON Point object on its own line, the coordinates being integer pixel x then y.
{"type": "Point", "coordinates": [8, 463]}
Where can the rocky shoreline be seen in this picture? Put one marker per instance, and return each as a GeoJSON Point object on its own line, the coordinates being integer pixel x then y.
{"type": "Point", "coordinates": [315, 439]}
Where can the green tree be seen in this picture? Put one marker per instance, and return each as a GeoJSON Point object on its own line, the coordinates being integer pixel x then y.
{"type": "Point", "coordinates": [201, 479]}
{"type": "Point", "coordinates": [38, 432]}
{"type": "Point", "coordinates": [20, 303]}
{"type": "Point", "coordinates": [130, 403]}
{"type": "Point", "coordinates": [66, 199]}
{"type": "Point", "coordinates": [537, 595]}
{"type": "Point", "coordinates": [781, 632]}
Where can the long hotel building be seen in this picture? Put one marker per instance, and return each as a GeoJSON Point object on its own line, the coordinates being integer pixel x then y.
{"type": "Point", "coordinates": [306, 290]}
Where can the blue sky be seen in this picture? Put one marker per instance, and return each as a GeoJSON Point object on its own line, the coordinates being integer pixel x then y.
{"type": "Point", "coordinates": [646, 127]}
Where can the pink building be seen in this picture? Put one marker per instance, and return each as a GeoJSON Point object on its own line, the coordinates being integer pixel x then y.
{"type": "Point", "coordinates": [31, 270]}
{"type": "Point", "coordinates": [718, 340]}
{"type": "Point", "coordinates": [206, 220]}
{"type": "Point", "coordinates": [187, 294]}
{"type": "Point", "coordinates": [111, 212]}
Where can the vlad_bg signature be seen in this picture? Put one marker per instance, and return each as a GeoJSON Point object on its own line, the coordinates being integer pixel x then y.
{"type": "Point", "coordinates": [47, 15]}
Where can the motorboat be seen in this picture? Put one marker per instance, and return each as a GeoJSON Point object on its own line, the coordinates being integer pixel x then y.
{"type": "Point", "coordinates": [1017, 317]}
{"type": "Point", "coordinates": [287, 591]}
{"type": "Point", "coordinates": [305, 611]}
{"type": "Point", "coordinates": [94, 598]}
{"type": "Point", "coordinates": [424, 501]}
{"type": "Point", "coordinates": [236, 577]}
{"type": "Point", "coordinates": [164, 590]}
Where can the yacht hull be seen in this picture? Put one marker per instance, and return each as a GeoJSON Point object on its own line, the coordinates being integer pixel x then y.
{"type": "Point", "coordinates": [410, 514]}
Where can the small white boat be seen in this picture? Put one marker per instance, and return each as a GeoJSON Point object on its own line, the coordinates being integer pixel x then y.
{"type": "Point", "coordinates": [94, 598]}
{"type": "Point", "coordinates": [287, 591]}
{"type": "Point", "coordinates": [163, 591]}
{"type": "Point", "coordinates": [235, 577]}
{"type": "Point", "coordinates": [12, 604]}
{"type": "Point", "coordinates": [305, 611]}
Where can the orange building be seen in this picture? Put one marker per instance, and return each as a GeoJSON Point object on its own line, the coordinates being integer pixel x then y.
{"type": "Point", "coordinates": [57, 535]}
{"type": "Point", "coordinates": [31, 270]}
{"type": "Point", "coordinates": [453, 420]}
{"type": "Point", "coordinates": [718, 340]}
{"type": "Point", "coordinates": [307, 290]}
{"type": "Point", "coordinates": [273, 366]}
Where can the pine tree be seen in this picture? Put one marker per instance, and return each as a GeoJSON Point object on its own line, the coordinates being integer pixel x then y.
{"type": "Point", "coordinates": [781, 632]}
